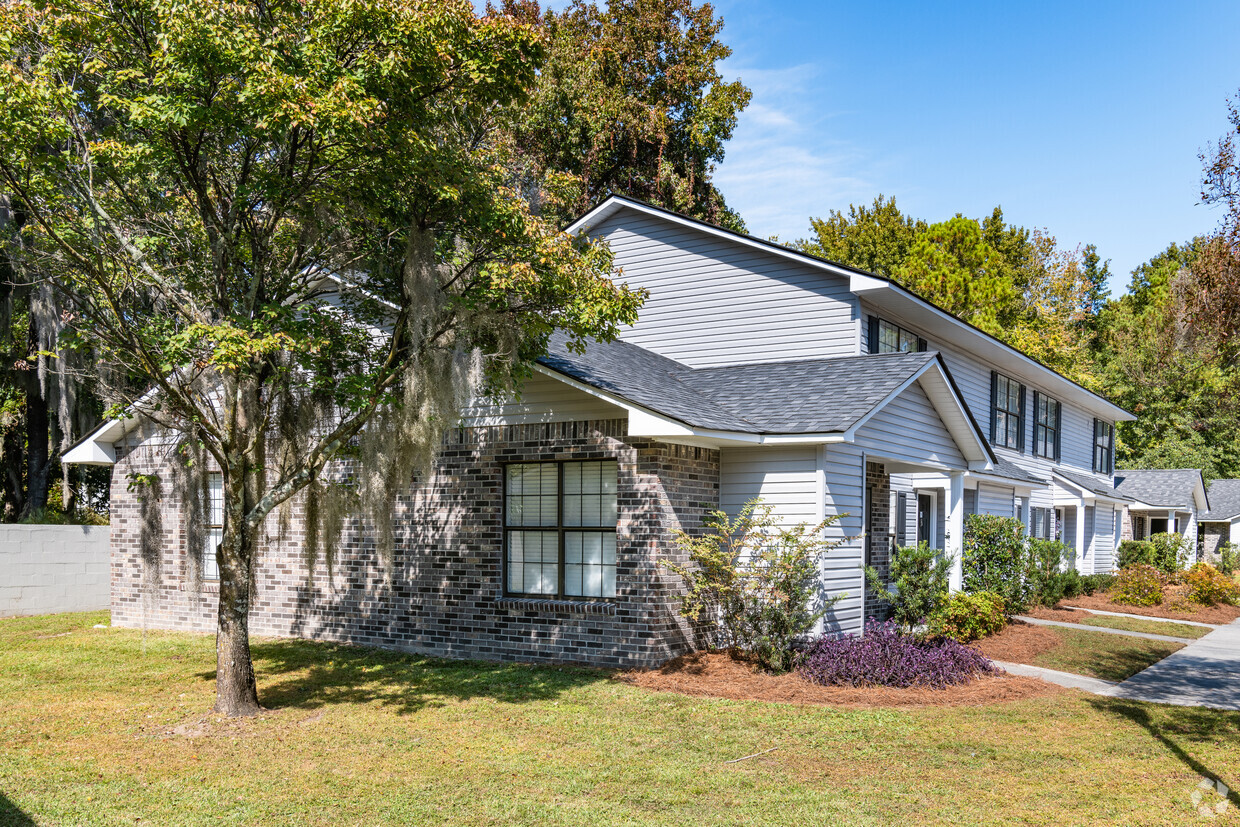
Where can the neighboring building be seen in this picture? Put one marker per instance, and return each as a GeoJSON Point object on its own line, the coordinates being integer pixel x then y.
{"type": "Point", "coordinates": [754, 371]}
{"type": "Point", "coordinates": [1221, 524]}
{"type": "Point", "coordinates": [1164, 502]}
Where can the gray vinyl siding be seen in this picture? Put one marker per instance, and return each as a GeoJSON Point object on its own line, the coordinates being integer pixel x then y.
{"type": "Point", "coordinates": [842, 468]}
{"type": "Point", "coordinates": [715, 302]}
{"type": "Point", "coordinates": [995, 500]}
{"type": "Point", "coordinates": [972, 377]}
{"type": "Point", "coordinates": [1104, 538]}
{"type": "Point", "coordinates": [1069, 528]}
{"type": "Point", "coordinates": [908, 428]}
{"type": "Point", "coordinates": [784, 477]}
{"type": "Point", "coordinates": [970, 501]}
{"type": "Point", "coordinates": [541, 399]}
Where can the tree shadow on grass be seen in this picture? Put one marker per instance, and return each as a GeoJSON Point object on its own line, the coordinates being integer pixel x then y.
{"type": "Point", "coordinates": [299, 674]}
{"type": "Point", "coordinates": [1179, 727]}
{"type": "Point", "coordinates": [13, 816]}
{"type": "Point", "coordinates": [1110, 664]}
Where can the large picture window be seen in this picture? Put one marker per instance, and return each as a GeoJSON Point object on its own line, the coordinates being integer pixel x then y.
{"type": "Point", "coordinates": [1104, 447]}
{"type": "Point", "coordinates": [209, 567]}
{"type": "Point", "coordinates": [1046, 426]}
{"type": "Point", "coordinates": [1007, 421]}
{"type": "Point", "coordinates": [560, 529]}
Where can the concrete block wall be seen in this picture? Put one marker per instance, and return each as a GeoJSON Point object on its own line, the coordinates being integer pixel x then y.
{"type": "Point", "coordinates": [53, 568]}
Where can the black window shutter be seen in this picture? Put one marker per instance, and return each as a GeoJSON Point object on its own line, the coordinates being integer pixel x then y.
{"type": "Point", "coordinates": [1058, 428]}
{"type": "Point", "coordinates": [873, 334]}
{"type": "Point", "coordinates": [921, 345]}
{"type": "Point", "coordinates": [1111, 453]}
{"type": "Point", "coordinates": [1020, 433]}
{"type": "Point", "coordinates": [994, 403]}
{"type": "Point", "coordinates": [902, 520]}
{"type": "Point", "coordinates": [1096, 465]}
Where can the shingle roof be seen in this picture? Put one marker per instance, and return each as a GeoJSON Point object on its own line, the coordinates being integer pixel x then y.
{"type": "Point", "coordinates": [1092, 485]}
{"type": "Point", "coordinates": [1171, 488]}
{"type": "Point", "coordinates": [1224, 496]}
{"type": "Point", "coordinates": [1012, 471]}
{"type": "Point", "coordinates": [811, 396]}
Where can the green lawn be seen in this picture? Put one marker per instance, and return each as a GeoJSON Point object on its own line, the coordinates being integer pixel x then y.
{"type": "Point", "coordinates": [89, 723]}
{"type": "Point", "coordinates": [1131, 624]}
{"type": "Point", "coordinates": [1098, 655]}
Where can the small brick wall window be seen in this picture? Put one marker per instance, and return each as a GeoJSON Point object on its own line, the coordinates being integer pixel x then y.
{"type": "Point", "coordinates": [560, 529]}
{"type": "Point", "coordinates": [209, 566]}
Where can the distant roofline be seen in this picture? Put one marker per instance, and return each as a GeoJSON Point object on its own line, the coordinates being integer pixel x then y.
{"type": "Point", "coordinates": [605, 207]}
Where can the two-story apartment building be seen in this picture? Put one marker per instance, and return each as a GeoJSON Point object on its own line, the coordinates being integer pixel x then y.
{"type": "Point", "coordinates": [753, 371]}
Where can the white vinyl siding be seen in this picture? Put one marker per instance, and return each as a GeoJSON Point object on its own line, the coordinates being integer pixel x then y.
{"type": "Point", "coordinates": [541, 399]}
{"type": "Point", "coordinates": [843, 470]}
{"type": "Point", "coordinates": [1104, 538]}
{"type": "Point", "coordinates": [716, 302]}
{"type": "Point", "coordinates": [909, 429]}
{"type": "Point", "coordinates": [785, 478]}
{"type": "Point", "coordinates": [995, 500]}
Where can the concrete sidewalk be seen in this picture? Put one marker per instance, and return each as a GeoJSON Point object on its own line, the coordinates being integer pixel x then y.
{"type": "Point", "coordinates": [1068, 679]}
{"type": "Point", "coordinates": [1035, 621]}
{"type": "Point", "coordinates": [1204, 673]}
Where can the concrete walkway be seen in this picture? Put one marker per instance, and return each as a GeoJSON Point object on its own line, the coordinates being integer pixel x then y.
{"type": "Point", "coordinates": [1036, 621]}
{"type": "Point", "coordinates": [1205, 673]}
{"type": "Point", "coordinates": [1145, 617]}
{"type": "Point", "coordinates": [1094, 685]}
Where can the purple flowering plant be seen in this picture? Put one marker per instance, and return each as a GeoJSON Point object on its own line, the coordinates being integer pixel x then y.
{"type": "Point", "coordinates": [884, 656]}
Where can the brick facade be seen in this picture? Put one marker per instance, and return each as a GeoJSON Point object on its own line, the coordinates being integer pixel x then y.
{"type": "Point", "coordinates": [445, 592]}
{"type": "Point", "coordinates": [878, 486]}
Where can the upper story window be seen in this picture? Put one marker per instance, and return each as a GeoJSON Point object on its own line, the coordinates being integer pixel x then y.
{"type": "Point", "coordinates": [1104, 447]}
{"type": "Point", "coordinates": [560, 529]}
{"type": "Point", "coordinates": [1007, 414]}
{"type": "Point", "coordinates": [1046, 426]}
{"type": "Point", "coordinates": [209, 567]}
{"type": "Point", "coordinates": [888, 337]}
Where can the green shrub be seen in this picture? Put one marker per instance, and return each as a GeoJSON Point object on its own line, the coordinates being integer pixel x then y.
{"type": "Point", "coordinates": [753, 583]}
{"type": "Point", "coordinates": [1209, 586]}
{"type": "Point", "coordinates": [1227, 559]}
{"type": "Point", "coordinates": [1133, 553]}
{"type": "Point", "coordinates": [1170, 552]}
{"type": "Point", "coordinates": [997, 559]}
{"type": "Point", "coordinates": [1091, 583]}
{"type": "Point", "coordinates": [966, 616]}
{"type": "Point", "coordinates": [1049, 584]}
{"type": "Point", "coordinates": [1138, 585]}
{"type": "Point", "coordinates": [919, 578]}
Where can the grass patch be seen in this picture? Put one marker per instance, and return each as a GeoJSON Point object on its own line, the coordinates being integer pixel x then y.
{"type": "Point", "coordinates": [1109, 657]}
{"type": "Point", "coordinates": [108, 726]}
{"type": "Point", "coordinates": [1154, 627]}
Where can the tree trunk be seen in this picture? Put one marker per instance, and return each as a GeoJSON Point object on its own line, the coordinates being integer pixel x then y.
{"type": "Point", "coordinates": [38, 464]}
{"type": "Point", "coordinates": [236, 692]}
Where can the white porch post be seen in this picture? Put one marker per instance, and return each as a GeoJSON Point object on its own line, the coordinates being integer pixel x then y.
{"type": "Point", "coordinates": [1081, 551]}
{"type": "Point", "coordinates": [954, 535]}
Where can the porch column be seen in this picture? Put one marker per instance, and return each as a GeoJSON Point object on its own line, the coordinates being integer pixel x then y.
{"type": "Point", "coordinates": [954, 533]}
{"type": "Point", "coordinates": [1080, 540]}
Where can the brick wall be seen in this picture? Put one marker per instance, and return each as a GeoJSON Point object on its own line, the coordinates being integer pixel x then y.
{"type": "Point", "coordinates": [879, 484]}
{"type": "Point", "coordinates": [444, 595]}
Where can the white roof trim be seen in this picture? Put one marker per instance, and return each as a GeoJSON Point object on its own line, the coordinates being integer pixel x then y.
{"type": "Point", "coordinates": [859, 283]}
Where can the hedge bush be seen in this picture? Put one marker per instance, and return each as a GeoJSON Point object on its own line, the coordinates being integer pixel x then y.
{"type": "Point", "coordinates": [1100, 582]}
{"type": "Point", "coordinates": [884, 656]}
{"type": "Point", "coordinates": [919, 579]}
{"type": "Point", "coordinates": [997, 559]}
{"type": "Point", "coordinates": [966, 616]}
{"type": "Point", "coordinates": [1138, 585]}
{"type": "Point", "coordinates": [1209, 586]}
{"type": "Point", "coordinates": [1133, 553]}
{"type": "Point", "coordinates": [1170, 552]}
{"type": "Point", "coordinates": [1227, 559]}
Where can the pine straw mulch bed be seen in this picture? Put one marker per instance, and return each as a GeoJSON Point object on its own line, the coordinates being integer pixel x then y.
{"type": "Point", "coordinates": [1175, 606]}
{"type": "Point", "coordinates": [1019, 642]}
{"type": "Point", "coordinates": [724, 675]}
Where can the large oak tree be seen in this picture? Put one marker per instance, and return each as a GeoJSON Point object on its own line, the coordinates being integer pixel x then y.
{"type": "Point", "coordinates": [295, 221]}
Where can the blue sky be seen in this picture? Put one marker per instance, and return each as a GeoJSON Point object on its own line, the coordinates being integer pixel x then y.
{"type": "Point", "coordinates": [1082, 118]}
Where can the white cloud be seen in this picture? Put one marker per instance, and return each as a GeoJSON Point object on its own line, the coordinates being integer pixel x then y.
{"type": "Point", "coordinates": [781, 166]}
